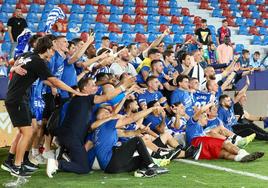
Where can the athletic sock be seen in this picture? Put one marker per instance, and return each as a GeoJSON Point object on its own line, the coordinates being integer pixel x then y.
{"type": "Point", "coordinates": [237, 139]}
{"type": "Point", "coordinates": [241, 153]}
{"type": "Point", "coordinates": [26, 156]}
{"type": "Point", "coordinates": [10, 157]}
{"type": "Point", "coordinates": [35, 152]}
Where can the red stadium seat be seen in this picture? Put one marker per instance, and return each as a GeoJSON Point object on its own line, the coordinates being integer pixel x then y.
{"type": "Point", "coordinates": [40, 2]}
{"type": "Point", "coordinates": [163, 11]}
{"type": "Point", "coordinates": [264, 15]}
{"type": "Point", "coordinates": [91, 2]}
{"type": "Point", "coordinates": [140, 3]}
{"type": "Point", "coordinates": [113, 27]}
{"type": "Point", "coordinates": [163, 28]}
{"type": "Point", "coordinates": [204, 5]}
{"type": "Point", "coordinates": [197, 20]}
{"type": "Point", "coordinates": [250, 2]}
{"type": "Point", "coordinates": [163, 4]}
{"type": "Point", "coordinates": [101, 18]}
{"type": "Point", "coordinates": [22, 7]}
{"type": "Point", "coordinates": [243, 7]}
{"type": "Point", "coordinates": [185, 12]}
{"type": "Point", "coordinates": [223, 1]}
{"type": "Point", "coordinates": [140, 38]}
{"type": "Point", "coordinates": [246, 14]}
{"type": "Point", "coordinates": [140, 11]}
{"type": "Point", "coordinates": [175, 20]}
{"type": "Point", "coordinates": [241, 1]}
{"type": "Point", "coordinates": [116, 3]}
{"type": "Point", "coordinates": [127, 19]}
{"type": "Point", "coordinates": [231, 22]}
{"type": "Point", "coordinates": [254, 31]}
{"type": "Point", "coordinates": [224, 6]}
{"type": "Point", "coordinates": [227, 13]}
{"type": "Point", "coordinates": [25, 2]}
{"type": "Point", "coordinates": [64, 8]}
{"type": "Point", "coordinates": [262, 8]}
{"type": "Point", "coordinates": [102, 9]}
{"type": "Point", "coordinates": [79, 2]}
{"type": "Point", "coordinates": [140, 20]}
{"type": "Point", "coordinates": [259, 23]}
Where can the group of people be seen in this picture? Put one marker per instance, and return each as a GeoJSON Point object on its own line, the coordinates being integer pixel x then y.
{"type": "Point", "coordinates": [126, 108]}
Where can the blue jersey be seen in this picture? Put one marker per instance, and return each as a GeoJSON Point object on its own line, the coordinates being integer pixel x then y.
{"type": "Point", "coordinates": [181, 129]}
{"type": "Point", "coordinates": [130, 127]}
{"type": "Point", "coordinates": [162, 78]}
{"type": "Point", "coordinates": [169, 70]}
{"type": "Point", "coordinates": [201, 98]}
{"type": "Point", "coordinates": [217, 96]}
{"type": "Point", "coordinates": [212, 123]}
{"type": "Point", "coordinates": [139, 76]}
{"type": "Point", "coordinates": [155, 122]}
{"type": "Point", "coordinates": [36, 100]}
{"type": "Point", "coordinates": [193, 130]}
{"type": "Point", "coordinates": [69, 77]}
{"type": "Point", "coordinates": [147, 97]}
{"type": "Point", "coordinates": [183, 97]}
{"type": "Point", "coordinates": [105, 138]}
{"type": "Point", "coordinates": [228, 117]}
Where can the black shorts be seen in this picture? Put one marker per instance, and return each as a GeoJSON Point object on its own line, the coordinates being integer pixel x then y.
{"type": "Point", "coordinates": [159, 143]}
{"type": "Point", "coordinates": [49, 105]}
{"type": "Point", "coordinates": [20, 114]}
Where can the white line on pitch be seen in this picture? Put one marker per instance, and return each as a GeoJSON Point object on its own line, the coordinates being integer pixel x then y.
{"type": "Point", "coordinates": [243, 173]}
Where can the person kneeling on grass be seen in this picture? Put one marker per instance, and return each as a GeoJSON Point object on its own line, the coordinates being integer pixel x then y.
{"type": "Point", "coordinates": [214, 148]}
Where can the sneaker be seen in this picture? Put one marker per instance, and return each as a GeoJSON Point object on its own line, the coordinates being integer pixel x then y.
{"type": "Point", "coordinates": [20, 172]}
{"type": "Point", "coordinates": [193, 152]}
{"type": "Point", "coordinates": [161, 162]}
{"type": "Point", "coordinates": [173, 154]}
{"type": "Point", "coordinates": [248, 158]}
{"type": "Point", "coordinates": [38, 159]}
{"type": "Point", "coordinates": [159, 170]}
{"type": "Point", "coordinates": [245, 141]}
{"type": "Point", "coordinates": [147, 173]}
{"type": "Point", "coordinates": [51, 167]}
{"type": "Point", "coordinates": [66, 157]}
{"type": "Point", "coordinates": [7, 166]}
{"type": "Point", "coordinates": [29, 165]}
{"type": "Point", "coordinates": [166, 154]}
{"type": "Point", "coordinates": [49, 154]}
{"type": "Point", "coordinates": [258, 154]}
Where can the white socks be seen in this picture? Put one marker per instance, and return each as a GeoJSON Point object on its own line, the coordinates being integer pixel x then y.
{"type": "Point", "coordinates": [241, 153]}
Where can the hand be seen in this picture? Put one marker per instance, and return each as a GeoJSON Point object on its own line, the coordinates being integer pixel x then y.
{"type": "Point", "coordinates": [157, 109]}
{"type": "Point", "coordinates": [19, 70]}
{"type": "Point", "coordinates": [247, 80]}
{"type": "Point", "coordinates": [90, 38]}
{"type": "Point", "coordinates": [163, 113]}
{"type": "Point", "coordinates": [236, 57]}
{"type": "Point", "coordinates": [54, 91]}
{"type": "Point", "coordinates": [162, 100]}
{"type": "Point", "coordinates": [104, 55]}
{"type": "Point", "coordinates": [167, 77]}
{"type": "Point", "coordinates": [166, 32]}
{"type": "Point", "coordinates": [137, 89]}
{"type": "Point", "coordinates": [237, 67]}
{"type": "Point", "coordinates": [128, 82]}
{"type": "Point", "coordinates": [117, 116]}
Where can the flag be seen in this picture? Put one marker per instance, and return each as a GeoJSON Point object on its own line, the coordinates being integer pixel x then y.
{"type": "Point", "coordinates": [53, 16]}
{"type": "Point", "coordinates": [23, 40]}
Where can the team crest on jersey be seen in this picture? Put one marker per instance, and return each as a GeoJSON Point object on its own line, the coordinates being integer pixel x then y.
{"type": "Point", "coordinates": [23, 61]}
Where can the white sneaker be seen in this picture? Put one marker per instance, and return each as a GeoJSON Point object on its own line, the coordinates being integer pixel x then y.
{"type": "Point", "coordinates": [51, 167]}
{"type": "Point", "coordinates": [49, 154]}
{"type": "Point", "coordinates": [39, 159]}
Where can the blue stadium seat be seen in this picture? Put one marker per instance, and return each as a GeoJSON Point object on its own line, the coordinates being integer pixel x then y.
{"type": "Point", "coordinates": [85, 27]}
{"type": "Point", "coordinates": [215, 5]}
{"type": "Point", "coordinates": [7, 8]}
{"type": "Point", "coordinates": [139, 28]}
{"type": "Point", "coordinates": [36, 8]}
{"type": "Point", "coordinates": [168, 40]}
{"type": "Point", "coordinates": [151, 37]}
{"type": "Point", "coordinates": [178, 39]}
{"type": "Point", "coordinates": [6, 47]}
{"type": "Point", "coordinates": [212, 29]}
{"type": "Point", "coordinates": [214, 38]}
{"type": "Point", "coordinates": [250, 22]}
{"type": "Point", "coordinates": [127, 38]}
{"type": "Point", "coordinates": [98, 36]}
{"type": "Point", "coordinates": [253, 8]}
{"type": "Point", "coordinates": [232, 1]}
{"type": "Point", "coordinates": [259, 2]}
{"type": "Point", "coordinates": [243, 30]}
{"type": "Point", "coordinates": [44, 16]}
{"type": "Point", "coordinates": [32, 27]}
{"type": "Point", "coordinates": [56, 33]}
{"type": "Point", "coordinates": [32, 17]}
{"type": "Point", "coordinates": [174, 4]}
{"type": "Point", "coordinates": [263, 31]}
{"type": "Point", "coordinates": [66, 2]}
{"type": "Point", "coordinates": [153, 29]}
{"type": "Point", "coordinates": [234, 8]}
{"type": "Point", "coordinates": [4, 17]}
{"type": "Point", "coordinates": [152, 10]}
{"type": "Point", "coordinates": [97, 45]}
{"type": "Point", "coordinates": [88, 18]}
{"type": "Point", "coordinates": [239, 21]}
{"type": "Point", "coordinates": [104, 2]}
{"type": "Point", "coordinates": [100, 27]}
{"type": "Point", "coordinates": [217, 13]}
{"type": "Point", "coordinates": [152, 19]}
{"type": "Point", "coordinates": [126, 28]}
{"type": "Point", "coordinates": [128, 3]}
{"type": "Point", "coordinates": [175, 11]}
{"type": "Point", "coordinates": [41, 26]}
{"type": "Point", "coordinates": [11, 2]}
{"type": "Point", "coordinates": [54, 2]}
{"type": "Point", "coordinates": [176, 29]}
{"type": "Point", "coordinates": [72, 25]}
{"type": "Point", "coordinates": [74, 18]}
{"type": "Point", "coordinates": [186, 20]}
{"type": "Point", "coordinates": [114, 37]}
{"type": "Point", "coordinates": [114, 18]}
{"type": "Point", "coordinates": [239, 48]}
{"type": "Point", "coordinates": [265, 40]}
{"type": "Point", "coordinates": [89, 9]}
{"type": "Point", "coordinates": [115, 10]}
{"type": "Point", "coordinates": [6, 37]}
{"type": "Point", "coordinates": [188, 29]}
{"type": "Point", "coordinates": [71, 36]}
{"type": "Point", "coordinates": [77, 9]}
{"type": "Point", "coordinates": [164, 20]}
{"type": "Point", "coordinates": [48, 7]}
{"type": "Point", "coordinates": [255, 15]}
{"type": "Point", "coordinates": [256, 40]}
{"type": "Point", "coordinates": [151, 3]}
{"type": "Point", "coordinates": [128, 10]}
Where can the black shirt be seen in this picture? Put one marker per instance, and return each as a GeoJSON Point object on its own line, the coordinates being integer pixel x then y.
{"type": "Point", "coordinates": [18, 25]}
{"type": "Point", "coordinates": [19, 85]}
{"type": "Point", "coordinates": [238, 110]}
{"type": "Point", "coordinates": [203, 35]}
{"type": "Point", "coordinates": [77, 117]}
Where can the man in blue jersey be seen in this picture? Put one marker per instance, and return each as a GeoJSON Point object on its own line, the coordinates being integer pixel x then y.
{"type": "Point", "coordinates": [182, 94]}
{"type": "Point", "coordinates": [152, 93]}
{"type": "Point", "coordinates": [214, 148]}
{"type": "Point", "coordinates": [76, 125]}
